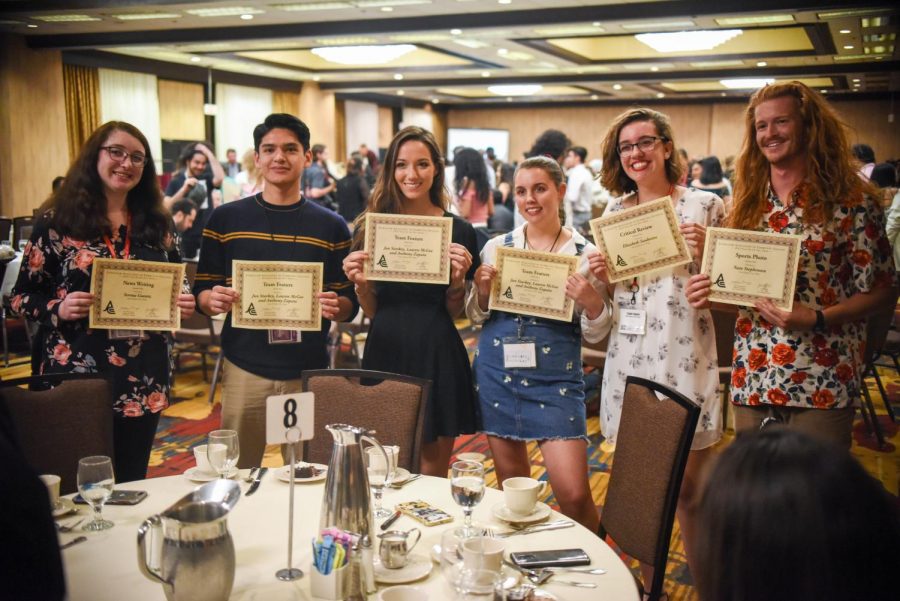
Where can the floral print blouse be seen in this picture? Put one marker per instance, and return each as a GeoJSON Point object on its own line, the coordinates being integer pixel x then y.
{"type": "Point", "coordinates": [808, 369]}
{"type": "Point", "coordinates": [52, 267]}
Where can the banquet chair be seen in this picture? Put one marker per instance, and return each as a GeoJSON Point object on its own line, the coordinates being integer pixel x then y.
{"type": "Point", "coordinates": [6, 230]}
{"type": "Point", "coordinates": [655, 434]}
{"type": "Point", "coordinates": [877, 329]}
{"type": "Point", "coordinates": [21, 230]}
{"type": "Point", "coordinates": [59, 426]}
{"type": "Point", "coordinates": [391, 405]}
{"type": "Point", "coordinates": [724, 322]}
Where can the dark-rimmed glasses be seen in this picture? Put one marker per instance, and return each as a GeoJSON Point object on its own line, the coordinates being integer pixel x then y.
{"type": "Point", "coordinates": [118, 154]}
{"type": "Point", "coordinates": [645, 144]}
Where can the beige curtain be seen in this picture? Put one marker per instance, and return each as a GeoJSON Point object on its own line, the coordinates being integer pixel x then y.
{"type": "Point", "coordinates": [284, 101]}
{"type": "Point", "coordinates": [81, 87]}
{"type": "Point", "coordinates": [340, 132]}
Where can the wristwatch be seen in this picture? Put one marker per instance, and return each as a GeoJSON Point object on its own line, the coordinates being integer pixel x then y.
{"type": "Point", "coordinates": [820, 321]}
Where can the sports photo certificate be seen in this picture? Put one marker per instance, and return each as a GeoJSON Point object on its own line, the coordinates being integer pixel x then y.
{"type": "Point", "coordinates": [408, 248]}
{"type": "Point", "coordinates": [745, 266]}
{"type": "Point", "coordinates": [278, 295]}
{"type": "Point", "coordinates": [135, 295]}
{"type": "Point", "coordinates": [533, 283]}
{"type": "Point", "coordinates": [642, 239]}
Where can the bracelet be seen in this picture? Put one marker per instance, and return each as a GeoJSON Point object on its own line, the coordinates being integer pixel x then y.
{"type": "Point", "coordinates": [820, 322]}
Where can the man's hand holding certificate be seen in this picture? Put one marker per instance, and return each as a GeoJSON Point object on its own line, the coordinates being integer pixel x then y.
{"type": "Point", "coordinates": [744, 266]}
{"type": "Point", "coordinates": [408, 248]}
{"type": "Point", "coordinates": [640, 240]}
{"type": "Point", "coordinates": [135, 295]}
{"type": "Point", "coordinates": [277, 295]}
{"type": "Point", "coordinates": [533, 283]}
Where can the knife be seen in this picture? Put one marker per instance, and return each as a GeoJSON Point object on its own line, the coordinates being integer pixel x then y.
{"type": "Point", "coordinates": [539, 528]}
{"type": "Point", "coordinates": [73, 542]}
{"type": "Point", "coordinates": [262, 472]}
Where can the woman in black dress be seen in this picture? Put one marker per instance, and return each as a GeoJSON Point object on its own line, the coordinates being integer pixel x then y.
{"type": "Point", "coordinates": [412, 324]}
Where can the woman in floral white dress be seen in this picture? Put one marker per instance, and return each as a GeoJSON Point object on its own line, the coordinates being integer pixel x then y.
{"type": "Point", "coordinates": [109, 206]}
{"type": "Point", "coordinates": [677, 346]}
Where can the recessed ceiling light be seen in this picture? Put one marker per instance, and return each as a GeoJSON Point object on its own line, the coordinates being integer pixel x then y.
{"type": "Point", "coordinates": [746, 83]}
{"type": "Point", "coordinates": [65, 18]}
{"type": "Point", "coordinates": [845, 31]}
{"type": "Point", "coordinates": [316, 78]}
{"type": "Point", "coordinates": [687, 41]}
{"type": "Point", "coordinates": [435, 100]}
{"type": "Point", "coordinates": [848, 47]}
{"type": "Point", "coordinates": [596, 23]}
{"type": "Point", "coordinates": [312, 6]}
{"type": "Point", "coordinates": [224, 11]}
{"type": "Point", "coordinates": [855, 80]}
{"type": "Point", "coordinates": [387, 9]}
{"type": "Point", "coordinates": [660, 95]}
{"type": "Point", "coordinates": [485, 73]}
{"type": "Point", "coordinates": [32, 26]}
{"type": "Point", "coordinates": [363, 55]}
{"type": "Point", "coordinates": [824, 91]}
{"type": "Point", "coordinates": [246, 17]}
{"type": "Point", "coordinates": [515, 89]}
{"type": "Point", "coordinates": [400, 92]}
{"type": "Point", "coordinates": [654, 68]}
{"type": "Point", "coordinates": [469, 43]}
{"type": "Point", "coordinates": [146, 16]}
{"type": "Point", "coordinates": [504, 1]}
{"type": "Point", "coordinates": [761, 64]}
{"type": "Point", "coordinates": [754, 20]}
{"type": "Point", "coordinates": [195, 59]}
{"type": "Point", "coordinates": [648, 26]}
{"type": "Point", "coordinates": [502, 51]}
{"type": "Point", "coordinates": [398, 76]}
{"type": "Point", "coordinates": [594, 97]}
{"type": "Point", "coordinates": [617, 86]}
{"type": "Point", "coordinates": [455, 31]}
{"type": "Point", "coordinates": [508, 99]}
{"type": "Point", "coordinates": [723, 94]}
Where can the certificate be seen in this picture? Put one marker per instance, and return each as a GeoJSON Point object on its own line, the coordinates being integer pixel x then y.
{"type": "Point", "coordinates": [135, 295]}
{"type": "Point", "coordinates": [745, 266]}
{"type": "Point", "coordinates": [278, 295]}
{"type": "Point", "coordinates": [640, 240]}
{"type": "Point", "coordinates": [408, 248]}
{"type": "Point", "coordinates": [532, 283]}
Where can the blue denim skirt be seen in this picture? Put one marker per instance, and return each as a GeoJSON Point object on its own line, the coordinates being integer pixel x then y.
{"type": "Point", "coordinates": [545, 402]}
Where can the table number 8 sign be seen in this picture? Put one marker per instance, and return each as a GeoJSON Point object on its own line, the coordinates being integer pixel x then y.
{"type": "Point", "coordinates": [289, 418]}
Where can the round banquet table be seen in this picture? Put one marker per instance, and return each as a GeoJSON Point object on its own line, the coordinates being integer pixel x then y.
{"type": "Point", "coordinates": [106, 565]}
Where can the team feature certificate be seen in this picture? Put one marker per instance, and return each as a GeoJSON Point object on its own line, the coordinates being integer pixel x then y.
{"type": "Point", "coordinates": [408, 248]}
{"type": "Point", "coordinates": [277, 295]}
{"type": "Point", "coordinates": [532, 283]}
{"type": "Point", "coordinates": [745, 266]}
{"type": "Point", "coordinates": [641, 239]}
{"type": "Point", "coordinates": [135, 295]}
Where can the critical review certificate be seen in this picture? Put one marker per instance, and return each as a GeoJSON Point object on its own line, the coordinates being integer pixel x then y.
{"type": "Point", "coordinates": [135, 295]}
{"type": "Point", "coordinates": [408, 248]}
{"type": "Point", "coordinates": [744, 266]}
{"type": "Point", "coordinates": [641, 239]}
{"type": "Point", "coordinates": [279, 295]}
{"type": "Point", "coordinates": [532, 283]}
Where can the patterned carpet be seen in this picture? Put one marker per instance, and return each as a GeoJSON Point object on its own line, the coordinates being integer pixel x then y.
{"type": "Point", "coordinates": [188, 420]}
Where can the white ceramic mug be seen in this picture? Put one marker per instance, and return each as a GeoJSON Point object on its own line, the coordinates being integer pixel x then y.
{"type": "Point", "coordinates": [203, 464]}
{"type": "Point", "coordinates": [521, 494]}
{"type": "Point", "coordinates": [52, 481]}
{"type": "Point", "coordinates": [482, 553]}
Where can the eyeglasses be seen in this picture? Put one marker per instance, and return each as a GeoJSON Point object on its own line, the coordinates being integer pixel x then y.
{"type": "Point", "coordinates": [118, 154]}
{"type": "Point", "coordinates": [645, 144]}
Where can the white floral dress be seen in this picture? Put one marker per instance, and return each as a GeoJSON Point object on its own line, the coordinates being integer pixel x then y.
{"type": "Point", "coordinates": [679, 346]}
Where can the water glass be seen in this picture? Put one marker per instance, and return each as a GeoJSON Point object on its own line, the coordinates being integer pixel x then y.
{"type": "Point", "coordinates": [95, 483]}
{"type": "Point", "coordinates": [380, 475]}
{"type": "Point", "coordinates": [467, 487]}
{"type": "Point", "coordinates": [223, 451]}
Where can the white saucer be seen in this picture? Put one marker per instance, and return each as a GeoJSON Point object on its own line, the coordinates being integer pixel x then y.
{"type": "Point", "coordinates": [401, 475]}
{"type": "Point", "coordinates": [65, 507]}
{"type": "Point", "coordinates": [195, 475]}
{"type": "Point", "coordinates": [479, 457]}
{"type": "Point", "coordinates": [284, 473]}
{"type": "Point", "coordinates": [501, 512]}
{"type": "Point", "coordinates": [417, 568]}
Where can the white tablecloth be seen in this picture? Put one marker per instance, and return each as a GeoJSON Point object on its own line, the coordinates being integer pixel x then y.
{"type": "Point", "coordinates": [106, 566]}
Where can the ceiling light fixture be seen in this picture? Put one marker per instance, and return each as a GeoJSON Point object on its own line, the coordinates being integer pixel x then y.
{"type": "Point", "coordinates": [594, 97]}
{"type": "Point", "coordinates": [660, 95]}
{"type": "Point", "coordinates": [502, 51]}
{"type": "Point", "coordinates": [647, 26]}
{"type": "Point", "coordinates": [246, 17]}
{"type": "Point", "coordinates": [195, 59]}
{"type": "Point", "coordinates": [654, 68]}
{"type": "Point", "coordinates": [401, 93]}
{"type": "Point", "coordinates": [504, 1]}
{"type": "Point", "coordinates": [65, 18]}
{"type": "Point", "coordinates": [387, 9]}
{"type": "Point", "coordinates": [596, 24]}
{"type": "Point", "coordinates": [363, 55]}
{"type": "Point", "coordinates": [146, 16]}
{"type": "Point", "coordinates": [455, 31]}
{"type": "Point", "coordinates": [398, 76]}
{"type": "Point", "coordinates": [224, 11]}
{"type": "Point", "coordinates": [32, 26]}
{"type": "Point", "coordinates": [617, 86]}
{"type": "Point", "coordinates": [754, 20]}
{"type": "Point", "coordinates": [312, 6]}
{"type": "Point", "coordinates": [687, 41]}
{"type": "Point", "coordinates": [746, 83]}
{"type": "Point", "coordinates": [761, 64]}
{"type": "Point", "coordinates": [435, 101]}
{"type": "Point", "coordinates": [516, 89]}
{"type": "Point", "coordinates": [848, 47]}
{"type": "Point", "coordinates": [845, 31]}
{"type": "Point", "coordinates": [485, 73]}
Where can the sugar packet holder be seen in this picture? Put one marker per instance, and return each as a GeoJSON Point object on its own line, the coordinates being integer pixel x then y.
{"type": "Point", "coordinates": [330, 573]}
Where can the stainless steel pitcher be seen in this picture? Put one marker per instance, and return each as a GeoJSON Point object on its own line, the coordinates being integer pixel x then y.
{"type": "Point", "coordinates": [345, 504]}
{"type": "Point", "coordinates": [196, 557]}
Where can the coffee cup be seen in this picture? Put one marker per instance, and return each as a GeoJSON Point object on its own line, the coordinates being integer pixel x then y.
{"type": "Point", "coordinates": [203, 464]}
{"type": "Point", "coordinates": [376, 459]}
{"type": "Point", "coordinates": [403, 593]}
{"type": "Point", "coordinates": [521, 494]}
{"type": "Point", "coordinates": [482, 553]}
{"type": "Point", "coordinates": [52, 481]}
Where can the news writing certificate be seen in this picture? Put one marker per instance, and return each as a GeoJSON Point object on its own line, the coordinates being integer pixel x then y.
{"type": "Point", "coordinates": [640, 240]}
{"type": "Point", "coordinates": [408, 248]}
{"type": "Point", "coordinates": [277, 295]}
{"type": "Point", "coordinates": [135, 295]}
{"type": "Point", "coordinates": [532, 283]}
{"type": "Point", "coordinates": [745, 266]}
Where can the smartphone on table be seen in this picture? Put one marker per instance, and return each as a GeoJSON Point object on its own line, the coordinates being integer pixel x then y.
{"type": "Point", "coordinates": [553, 558]}
{"type": "Point", "coordinates": [119, 497]}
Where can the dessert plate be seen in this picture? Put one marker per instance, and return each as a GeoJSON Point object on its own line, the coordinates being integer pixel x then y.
{"type": "Point", "coordinates": [284, 472]}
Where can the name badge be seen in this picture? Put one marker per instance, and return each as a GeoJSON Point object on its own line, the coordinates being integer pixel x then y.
{"type": "Point", "coordinates": [125, 334]}
{"type": "Point", "coordinates": [284, 336]}
{"type": "Point", "coordinates": [632, 321]}
{"type": "Point", "coordinates": [519, 355]}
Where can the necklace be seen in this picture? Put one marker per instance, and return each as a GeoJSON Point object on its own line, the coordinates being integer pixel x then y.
{"type": "Point", "coordinates": [637, 194]}
{"type": "Point", "coordinates": [552, 246]}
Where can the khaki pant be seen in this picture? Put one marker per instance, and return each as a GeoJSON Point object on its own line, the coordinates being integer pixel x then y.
{"type": "Point", "coordinates": [831, 425]}
{"type": "Point", "coordinates": [244, 409]}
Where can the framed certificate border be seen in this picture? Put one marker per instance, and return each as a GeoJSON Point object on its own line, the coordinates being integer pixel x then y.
{"type": "Point", "coordinates": [100, 319]}
{"type": "Point", "coordinates": [762, 239]}
{"type": "Point", "coordinates": [499, 302]}
{"type": "Point", "coordinates": [313, 321]}
{"type": "Point", "coordinates": [663, 204]}
{"type": "Point", "coordinates": [373, 220]}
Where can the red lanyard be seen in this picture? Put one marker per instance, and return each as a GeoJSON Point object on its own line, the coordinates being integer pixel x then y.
{"type": "Point", "coordinates": [125, 251]}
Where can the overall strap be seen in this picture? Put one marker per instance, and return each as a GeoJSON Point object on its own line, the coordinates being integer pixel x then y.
{"type": "Point", "coordinates": [508, 240]}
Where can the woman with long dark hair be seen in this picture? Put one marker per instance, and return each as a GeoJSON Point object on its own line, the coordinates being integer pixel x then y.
{"type": "Point", "coordinates": [473, 192]}
{"type": "Point", "coordinates": [110, 206]}
{"type": "Point", "coordinates": [412, 324]}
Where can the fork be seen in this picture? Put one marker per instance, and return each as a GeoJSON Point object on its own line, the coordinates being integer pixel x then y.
{"type": "Point", "coordinates": [250, 474]}
{"type": "Point", "coordinates": [68, 527]}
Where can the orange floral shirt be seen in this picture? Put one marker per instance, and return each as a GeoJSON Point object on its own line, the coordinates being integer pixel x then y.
{"type": "Point", "coordinates": [849, 255]}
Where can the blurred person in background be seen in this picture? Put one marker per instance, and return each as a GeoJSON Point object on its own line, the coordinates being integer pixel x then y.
{"type": "Point", "coordinates": [473, 190]}
{"type": "Point", "coordinates": [352, 193]}
{"type": "Point", "coordinates": [199, 174]}
{"type": "Point", "coordinates": [249, 179]}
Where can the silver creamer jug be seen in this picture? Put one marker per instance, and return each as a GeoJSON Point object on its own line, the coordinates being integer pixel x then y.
{"type": "Point", "coordinates": [196, 555]}
{"type": "Point", "coordinates": [345, 504]}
